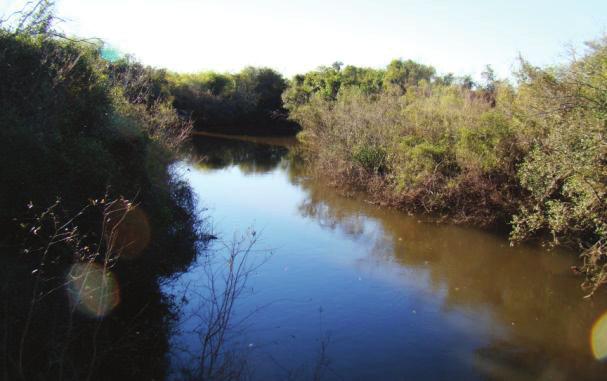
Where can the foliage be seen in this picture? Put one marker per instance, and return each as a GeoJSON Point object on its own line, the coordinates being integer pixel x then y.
{"type": "Point", "coordinates": [435, 147]}
{"type": "Point", "coordinates": [327, 81]}
{"type": "Point", "coordinates": [565, 171]}
{"type": "Point", "coordinates": [532, 155]}
{"type": "Point", "coordinates": [76, 128]}
{"type": "Point", "coordinates": [140, 84]}
{"type": "Point", "coordinates": [404, 74]}
{"type": "Point", "coordinates": [247, 102]}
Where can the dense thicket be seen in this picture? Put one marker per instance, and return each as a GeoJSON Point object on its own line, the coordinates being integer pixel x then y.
{"type": "Point", "coordinates": [248, 102]}
{"type": "Point", "coordinates": [532, 155]}
{"type": "Point", "coordinates": [77, 132]}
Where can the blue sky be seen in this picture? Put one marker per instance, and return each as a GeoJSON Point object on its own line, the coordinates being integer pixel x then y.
{"type": "Point", "coordinates": [297, 36]}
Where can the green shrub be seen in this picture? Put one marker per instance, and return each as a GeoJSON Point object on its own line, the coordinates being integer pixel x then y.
{"type": "Point", "coordinates": [371, 158]}
{"type": "Point", "coordinates": [418, 160]}
{"type": "Point", "coordinates": [485, 146]}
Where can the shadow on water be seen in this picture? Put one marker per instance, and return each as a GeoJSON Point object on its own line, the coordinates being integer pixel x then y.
{"type": "Point", "coordinates": [524, 308]}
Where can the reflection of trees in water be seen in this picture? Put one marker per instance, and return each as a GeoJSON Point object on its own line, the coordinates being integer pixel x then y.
{"type": "Point", "coordinates": [530, 294]}
{"type": "Point", "coordinates": [216, 351]}
{"type": "Point", "coordinates": [216, 153]}
{"type": "Point", "coordinates": [331, 218]}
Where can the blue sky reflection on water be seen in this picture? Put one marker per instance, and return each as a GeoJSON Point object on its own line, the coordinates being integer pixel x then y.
{"type": "Point", "coordinates": [391, 296]}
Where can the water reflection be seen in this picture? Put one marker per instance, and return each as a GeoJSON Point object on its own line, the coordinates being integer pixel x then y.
{"type": "Point", "coordinates": [528, 292]}
{"type": "Point", "coordinates": [519, 311]}
{"type": "Point", "coordinates": [216, 153]}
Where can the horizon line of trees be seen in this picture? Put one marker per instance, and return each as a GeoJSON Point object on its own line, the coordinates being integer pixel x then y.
{"type": "Point", "coordinates": [252, 100]}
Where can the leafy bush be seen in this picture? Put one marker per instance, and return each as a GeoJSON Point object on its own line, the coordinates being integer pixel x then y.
{"type": "Point", "coordinates": [371, 158]}
{"type": "Point", "coordinates": [565, 171]}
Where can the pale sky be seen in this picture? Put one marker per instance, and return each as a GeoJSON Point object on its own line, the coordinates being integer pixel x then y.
{"type": "Point", "coordinates": [297, 36]}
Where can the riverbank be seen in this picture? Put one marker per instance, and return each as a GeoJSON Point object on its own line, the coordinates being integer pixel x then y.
{"type": "Point", "coordinates": [92, 217]}
{"type": "Point", "coordinates": [530, 156]}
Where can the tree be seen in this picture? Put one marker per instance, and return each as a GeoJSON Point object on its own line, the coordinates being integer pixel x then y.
{"type": "Point", "coordinates": [467, 82]}
{"type": "Point", "coordinates": [403, 74]}
{"type": "Point", "coordinates": [445, 80]}
{"type": "Point", "coordinates": [489, 79]}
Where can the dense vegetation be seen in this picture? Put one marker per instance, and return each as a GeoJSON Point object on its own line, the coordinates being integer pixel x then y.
{"type": "Point", "coordinates": [248, 102]}
{"type": "Point", "coordinates": [532, 155]}
{"type": "Point", "coordinates": [88, 204]}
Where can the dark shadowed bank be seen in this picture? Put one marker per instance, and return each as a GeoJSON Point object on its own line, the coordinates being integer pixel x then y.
{"type": "Point", "coordinates": [91, 217]}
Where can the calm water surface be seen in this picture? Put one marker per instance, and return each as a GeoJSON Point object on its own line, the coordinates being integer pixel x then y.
{"type": "Point", "coordinates": [387, 295]}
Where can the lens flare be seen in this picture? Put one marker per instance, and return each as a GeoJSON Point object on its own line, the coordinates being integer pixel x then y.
{"type": "Point", "coordinates": [598, 338]}
{"type": "Point", "coordinates": [131, 234]}
{"type": "Point", "coordinates": [92, 289]}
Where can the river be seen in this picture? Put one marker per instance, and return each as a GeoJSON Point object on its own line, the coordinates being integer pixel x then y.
{"type": "Point", "coordinates": [341, 289]}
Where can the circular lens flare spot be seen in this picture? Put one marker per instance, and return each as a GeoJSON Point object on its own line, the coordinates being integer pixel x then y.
{"type": "Point", "coordinates": [92, 289]}
{"type": "Point", "coordinates": [598, 338]}
{"type": "Point", "coordinates": [128, 231]}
